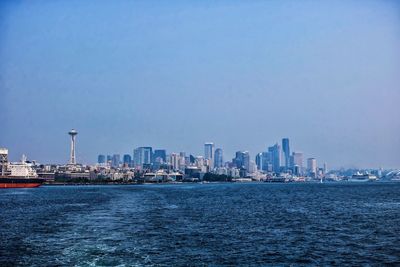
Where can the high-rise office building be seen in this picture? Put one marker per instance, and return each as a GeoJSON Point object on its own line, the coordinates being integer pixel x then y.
{"type": "Point", "coordinates": [296, 160]}
{"type": "Point", "coordinates": [175, 161]}
{"type": "Point", "coordinates": [101, 159]}
{"type": "Point", "coordinates": [127, 160]}
{"type": "Point", "coordinates": [259, 161]}
{"type": "Point", "coordinates": [238, 161]}
{"type": "Point", "coordinates": [192, 159]}
{"type": "Point", "coordinates": [252, 167]}
{"type": "Point", "coordinates": [199, 161]}
{"type": "Point", "coordinates": [209, 152]}
{"type": "Point", "coordinates": [263, 160]}
{"type": "Point", "coordinates": [160, 156]}
{"type": "Point", "coordinates": [242, 160]}
{"type": "Point", "coordinates": [109, 159]}
{"type": "Point", "coordinates": [286, 152]}
{"type": "Point", "coordinates": [312, 166]}
{"type": "Point", "coordinates": [115, 160]}
{"type": "Point", "coordinates": [142, 155]}
{"type": "Point", "coordinates": [182, 162]}
{"type": "Point", "coordinates": [275, 157]}
{"type": "Point", "coordinates": [325, 168]}
{"type": "Point", "coordinates": [219, 158]}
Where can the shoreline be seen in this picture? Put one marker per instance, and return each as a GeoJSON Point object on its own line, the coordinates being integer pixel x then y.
{"type": "Point", "coordinates": [222, 182]}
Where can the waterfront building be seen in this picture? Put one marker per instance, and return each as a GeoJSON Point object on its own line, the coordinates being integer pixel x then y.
{"type": "Point", "coordinates": [192, 172]}
{"type": "Point", "coordinates": [221, 171]}
{"type": "Point", "coordinates": [219, 158]}
{"type": "Point", "coordinates": [234, 172]}
{"type": "Point", "coordinates": [242, 172]}
{"type": "Point", "coordinates": [3, 160]}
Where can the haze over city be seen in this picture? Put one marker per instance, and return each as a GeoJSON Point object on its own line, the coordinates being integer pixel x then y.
{"type": "Point", "coordinates": [175, 75]}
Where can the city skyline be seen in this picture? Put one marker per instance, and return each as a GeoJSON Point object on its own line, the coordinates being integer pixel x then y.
{"type": "Point", "coordinates": [281, 157]}
{"type": "Point", "coordinates": [176, 75]}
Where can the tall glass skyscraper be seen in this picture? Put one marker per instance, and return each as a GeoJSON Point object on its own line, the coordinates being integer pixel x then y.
{"type": "Point", "coordinates": [115, 160]}
{"type": "Point", "coordinates": [286, 152]}
{"type": "Point", "coordinates": [101, 159]}
{"type": "Point", "coordinates": [160, 155]}
{"type": "Point", "coordinates": [259, 161]}
{"type": "Point", "coordinates": [219, 158]}
{"type": "Point", "coordinates": [242, 160]}
{"type": "Point", "coordinates": [142, 155]}
{"type": "Point", "coordinates": [127, 159]}
{"type": "Point", "coordinates": [209, 152]}
{"type": "Point", "coordinates": [275, 157]}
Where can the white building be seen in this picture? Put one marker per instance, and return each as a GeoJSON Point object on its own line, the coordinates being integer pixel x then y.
{"type": "Point", "coordinates": [312, 165]}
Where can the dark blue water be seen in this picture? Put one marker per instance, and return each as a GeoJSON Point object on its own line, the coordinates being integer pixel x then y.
{"type": "Point", "coordinates": [213, 224]}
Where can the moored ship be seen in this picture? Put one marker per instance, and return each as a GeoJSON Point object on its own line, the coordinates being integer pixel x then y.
{"type": "Point", "coordinates": [21, 175]}
{"type": "Point", "coordinates": [358, 177]}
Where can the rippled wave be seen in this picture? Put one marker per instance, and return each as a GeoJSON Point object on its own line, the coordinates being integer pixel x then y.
{"type": "Point", "coordinates": [201, 224]}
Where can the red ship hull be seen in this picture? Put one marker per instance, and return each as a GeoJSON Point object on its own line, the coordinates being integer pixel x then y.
{"type": "Point", "coordinates": [19, 182]}
{"type": "Point", "coordinates": [19, 185]}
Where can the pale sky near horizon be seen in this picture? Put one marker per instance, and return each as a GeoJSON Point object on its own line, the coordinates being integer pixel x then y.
{"type": "Point", "coordinates": [176, 74]}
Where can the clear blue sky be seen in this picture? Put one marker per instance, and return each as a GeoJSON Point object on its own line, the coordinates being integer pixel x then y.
{"type": "Point", "coordinates": [175, 74]}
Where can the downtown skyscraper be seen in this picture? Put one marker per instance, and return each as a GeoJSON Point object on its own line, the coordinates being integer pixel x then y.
{"type": "Point", "coordinates": [219, 158]}
{"type": "Point", "coordinates": [209, 153]}
{"type": "Point", "coordinates": [142, 155]}
{"type": "Point", "coordinates": [275, 157]}
{"type": "Point", "coordinates": [286, 152]}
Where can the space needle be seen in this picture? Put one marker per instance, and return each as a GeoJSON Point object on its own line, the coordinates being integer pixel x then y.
{"type": "Point", "coordinates": [72, 159]}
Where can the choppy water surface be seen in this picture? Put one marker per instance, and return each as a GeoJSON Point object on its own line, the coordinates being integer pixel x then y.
{"type": "Point", "coordinates": [210, 224]}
